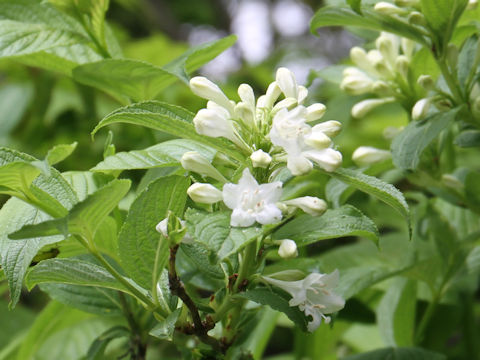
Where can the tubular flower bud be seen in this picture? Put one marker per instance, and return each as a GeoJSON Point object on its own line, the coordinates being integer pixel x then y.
{"type": "Point", "coordinates": [426, 82]}
{"type": "Point", "coordinates": [206, 89]}
{"type": "Point", "coordinates": [417, 18]}
{"type": "Point", "coordinates": [357, 84]}
{"type": "Point", "coordinates": [193, 161]}
{"type": "Point", "coordinates": [204, 193]}
{"type": "Point", "coordinates": [260, 159]}
{"type": "Point", "coordinates": [362, 108]}
{"type": "Point", "coordinates": [162, 228]}
{"type": "Point", "coordinates": [408, 47]}
{"type": "Point", "coordinates": [287, 83]}
{"type": "Point", "coordinates": [328, 159]}
{"type": "Point", "coordinates": [318, 140]}
{"type": "Point", "coordinates": [315, 112]}
{"type": "Point", "coordinates": [331, 128]}
{"type": "Point", "coordinates": [302, 94]}
{"type": "Point", "coordinates": [287, 249]}
{"type": "Point", "coordinates": [388, 9]}
{"type": "Point", "coordinates": [309, 204]}
{"type": "Point", "coordinates": [420, 109]}
{"type": "Point", "coordinates": [214, 123]}
{"type": "Point", "coordinates": [245, 92]}
{"type": "Point", "coordinates": [359, 58]}
{"type": "Point", "coordinates": [402, 65]}
{"type": "Point", "coordinates": [367, 155]}
{"type": "Point", "coordinates": [272, 94]}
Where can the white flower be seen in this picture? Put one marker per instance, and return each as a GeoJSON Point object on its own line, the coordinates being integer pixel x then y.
{"type": "Point", "coordinates": [363, 107]}
{"type": "Point", "coordinates": [193, 161]}
{"type": "Point", "coordinates": [420, 109]}
{"type": "Point", "coordinates": [252, 202]}
{"type": "Point", "coordinates": [287, 83]}
{"type": "Point", "coordinates": [204, 193]}
{"type": "Point", "coordinates": [260, 159]}
{"type": "Point", "coordinates": [368, 155]}
{"type": "Point", "coordinates": [313, 295]}
{"type": "Point", "coordinates": [214, 123]}
{"type": "Point", "coordinates": [309, 204]}
{"type": "Point", "coordinates": [331, 128]}
{"type": "Point", "coordinates": [287, 249]}
{"type": "Point", "coordinates": [206, 89]}
{"type": "Point", "coordinates": [315, 112]}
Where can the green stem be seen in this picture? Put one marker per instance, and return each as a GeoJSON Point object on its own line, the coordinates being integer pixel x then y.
{"type": "Point", "coordinates": [250, 255]}
{"type": "Point", "coordinates": [422, 327]}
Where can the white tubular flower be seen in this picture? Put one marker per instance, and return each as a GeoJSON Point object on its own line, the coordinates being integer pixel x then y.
{"type": "Point", "coordinates": [408, 47]}
{"type": "Point", "coordinates": [245, 92]}
{"type": "Point", "coordinates": [214, 123]}
{"type": "Point", "coordinates": [206, 89]}
{"type": "Point", "coordinates": [260, 159]}
{"type": "Point", "coordinates": [313, 295]}
{"type": "Point", "coordinates": [252, 202]}
{"type": "Point", "coordinates": [356, 82]}
{"type": "Point", "coordinates": [331, 128]}
{"type": "Point", "coordinates": [287, 249]}
{"type": "Point", "coordinates": [315, 112]}
{"type": "Point", "coordinates": [362, 108]}
{"type": "Point", "coordinates": [193, 161]}
{"type": "Point", "coordinates": [272, 94]}
{"type": "Point", "coordinates": [328, 159]}
{"type": "Point", "coordinates": [309, 204]}
{"type": "Point", "coordinates": [420, 109]}
{"type": "Point", "coordinates": [204, 193]}
{"type": "Point", "coordinates": [360, 58]}
{"type": "Point", "coordinates": [388, 45]}
{"type": "Point", "coordinates": [287, 83]}
{"type": "Point", "coordinates": [367, 155]}
{"type": "Point", "coordinates": [318, 140]}
{"type": "Point", "coordinates": [388, 9]}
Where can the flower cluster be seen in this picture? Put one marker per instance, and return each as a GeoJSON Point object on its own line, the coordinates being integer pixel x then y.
{"type": "Point", "coordinates": [384, 71]}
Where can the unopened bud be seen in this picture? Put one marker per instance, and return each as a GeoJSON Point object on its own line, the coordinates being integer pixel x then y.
{"type": "Point", "coordinates": [408, 47]}
{"type": "Point", "coordinates": [260, 159]}
{"type": "Point", "coordinates": [246, 94]}
{"type": "Point", "coordinates": [327, 159]}
{"type": "Point", "coordinates": [318, 140]}
{"type": "Point", "coordinates": [244, 112]}
{"type": "Point", "coordinates": [193, 161]}
{"type": "Point", "coordinates": [402, 65]}
{"type": "Point", "coordinates": [381, 88]}
{"type": "Point", "coordinates": [367, 155]}
{"type": "Point", "coordinates": [309, 204]}
{"type": "Point", "coordinates": [417, 18]}
{"type": "Point", "coordinates": [204, 193]}
{"type": "Point", "coordinates": [299, 165]}
{"type": "Point", "coordinates": [213, 123]}
{"type": "Point", "coordinates": [206, 89]}
{"type": "Point", "coordinates": [315, 112]}
{"type": "Point", "coordinates": [287, 83]}
{"type": "Point", "coordinates": [162, 227]}
{"type": "Point", "coordinates": [288, 249]}
{"type": "Point", "coordinates": [426, 82]}
{"type": "Point", "coordinates": [288, 103]}
{"type": "Point", "coordinates": [443, 104]}
{"type": "Point", "coordinates": [420, 109]}
{"type": "Point", "coordinates": [331, 128]}
{"type": "Point", "coordinates": [359, 58]}
{"type": "Point", "coordinates": [302, 94]}
{"type": "Point", "coordinates": [272, 94]}
{"type": "Point", "coordinates": [386, 8]}
{"type": "Point", "coordinates": [356, 84]}
{"type": "Point", "coordinates": [362, 108]}
{"type": "Point", "coordinates": [388, 47]}
{"type": "Point", "coordinates": [173, 229]}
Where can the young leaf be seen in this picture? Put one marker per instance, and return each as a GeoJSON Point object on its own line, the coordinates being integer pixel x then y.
{"type": "Point", "coordinates": [171, 119]}
{"type": "Point", "coordinates": [60, 152]}
{"type": "Point", "coordinates": [341, 222]}
{"type": "Point", "coordinates": [408, 146]}
{"type": "Point", "coordinates": [138, 240]}
{"type": "Point", "coordinates": [398, 354]}
{"type": "Point", "coordinates": [164, 330]}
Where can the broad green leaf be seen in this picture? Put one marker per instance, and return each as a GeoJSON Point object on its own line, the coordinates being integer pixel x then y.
{"type": "Point", "coordinates": [171, 119]}
{"type": "Point", "coordinates": [124, 78]}
{"type": "Point", "coordinates": [16, 178]}
{"type": "Point", "coordinates": [466, 61]}
{"type": "Point", "coordinates": [197, 56]}
{"type": "Point", "coordinates": [396, 313]}
{"type": "Point", "coordinates": [138, 240]}
{"type": "Point", "coordinates": [398, 354]}
{"type": "Point", "coordinates": [98, 347]}
{"type": "Point", "coordinates": [341, 222]}
{"type": "Point", "coordinates": [355, 5]}
{"type": "Point", "coordinates": [164, 329]}
{"type": "Point", "coordinates": [14, 100]}
{"type": "Point", "coordinates": [71, 271]}
{"type": "Point", "coordinates": [343, 16]}
{"type": "Point", "coordinates": [387, 193]}
{"type": "Point", "coordinates": [60, 152]}
{"type": "Point", "coordinates": [198, 256]}
{"type": "Point", "coordinates": [85, 182]}
{"type": "Point", "coordinates": [468, 138]}
{"type": "Point", "coordinates": [213, 231]}
{"type": "Point", "coordinates": [164, 154]}
{"type": "Point", "coordinates": [92, 299]}
{"type": "Point", "coordinates": [277, 300]}
{"type": "Point", "coordinates": [408, 146]}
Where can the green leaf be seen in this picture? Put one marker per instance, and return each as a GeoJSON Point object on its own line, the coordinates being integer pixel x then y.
{"type": "Point", "coordinates": [278, 301]}
{"type": "Point", "coordinates": [343, 16]}
{"type": "Point", "coordinates": [341, 222]}
{"type": "Point", "coordinates": [71, 271]}
{"type": "Point", "coordinates": [387, 193]}
{"type": "Point", "coordinates": [408, 146]}
{"type": "Point", "coordinates": [472, 190]}
{"type": "Point", "coordinates": [98, 347]}
{"type": "Point", "coordinates": [164, 329]}
{"type": "Point", "coordinates": [60, 152]}
{"type": "Point", "coordinates": [164, 154]}
{"type": "Point", "coordinates": [213, 231]}
{"type": "Point", "coordinates": [197, 56]}
{"type": "Point", "coordinates": [16, 178]}
{"type": "Point", "coordinates": [138, 240]}
{"type": "Point", "coordinates": [355, 5]}
{"type": "Point", "coordinates": [198, 256]}
{"type": "Point", "coordinates": [171, 119]}
{"type": "Point", "coordinates": [124, 78]}
{"type": "Point", "coordinates": [398, 354]}
{"type": "Point", "coordinates": [396, 313]}
{"type": "Point", "coordinates": [468, 138]}
{"type": "Point", "coordinates": [466, 61]}
{"type": "Point", "coordinates": [85, 182]}
{"type": "Point", "coordinates": [14, 100]}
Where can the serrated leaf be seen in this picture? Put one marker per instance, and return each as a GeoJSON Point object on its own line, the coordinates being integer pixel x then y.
{"type": "Point", "coordinates": [398, 354]}
{"type": "Point", "coordinates": [138, 240]}
{"type": "Point", "coordinates": [341, 222]}
{"type": "Point", "coordinates": [171, 119]}
{"type": "Point", "coordinates": [385, 192]}
{"type": "Point", "coordinates": [278, 301]}
{"type": "Point", "coordinates": [60, 152]}
{"type": "Point", "coordinates": [213, 231]}
{"type": "Point", "coordinates": [408, 146]}
{"type": "Point", "coordinates": [343, 16]}
{"type": "Point", "coordinates": [198, 256]}
{"type": "Point", "coordinates": [164, 154]}
{"type": "Point", "coordinates": [197, 56]}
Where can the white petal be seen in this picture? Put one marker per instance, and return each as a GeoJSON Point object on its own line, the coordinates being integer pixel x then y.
{"type": "Point", "coordinates": [247, 181]}
{"type": "Point", "coordinates": [328, 159]}
{"type": "Point", "coordinates": [271, 192]}
{"type": "Point", "coordinates": [299, 165]}
{"type": "Point", "coordinates": [269, 215]}
{"type": "Point", "coordinates": [231, 195]}
{"type": "Point", "coordinates": [287, 83]}
{"type": "Point", "coordinates": [241, 218]}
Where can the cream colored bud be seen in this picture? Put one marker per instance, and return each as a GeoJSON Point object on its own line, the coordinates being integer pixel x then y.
{"type": "Point", "coordinates": [318, 140]}
{"type": "Point", "coordinates": [402, 65]}
{"type": "Point", "coordinates": [356, 84]}
{"type": "Point", "coordinates": [287, 83]}
{"type": "Point", "coordinates": [328, 159]}
{"type": "Point", "coordinates": [204, 193]}
{"type": "Point", "coordinates": [381, 88]}
{"type": "Point", "coordinates": [367, 155]}
{"type": "Point", "coordinates": [386, 8]}
{"type": "Point", "coordinates": [362, 108]}
{"type": "Point", "coordinates": [408, 47]}
{"type": "Point", "coordinates": [193, 161]}
{"type": "Point", "coordinates": [246, 94]}
{"type": "Point", "coordinates": [417, 18]}
{"type": "Point", "coordinates": [420, 109]}
{"type": "Point", "coordinates": [302, 94]}
{"type": "Point", "coordinates": [288, 103]}
{"type": "Point", "coordinates": [387, 48]}
{"type": "Point", "coordinates": [315, 112]}
{"type": "Point", "coordinates": [426, 82]}
{"type": "Point", "coordinates": [359, 57]}
{"type": "Point", "coordinates": [331, 128]}
{"type": "Point", "coordinates": [162, 227]}
{"type": "Point", "coordinates": [309, 204]}
{"type": "Point", "coordinates": [206, 89]}
{"type": "Point", "coordinates": [287, 249]}
{"type": "Point", "coordinates": [260, 159]}
{"type": "Point", "coordinates": [272, 94]}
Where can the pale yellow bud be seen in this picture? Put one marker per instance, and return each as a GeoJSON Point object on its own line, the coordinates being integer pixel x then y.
{"type": "Point", "coordinates": [315, 112]}
{"type": "Point", "coordinates": [260, 159]}
{"type": "Point", "coordinates": [288, 249]}
{"type": "Point", "coordinates": [204, 193]}
{"type": "Point", "coordinates": [367, 155]}
{"type": "Point", "coordinates": [331, 128]}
